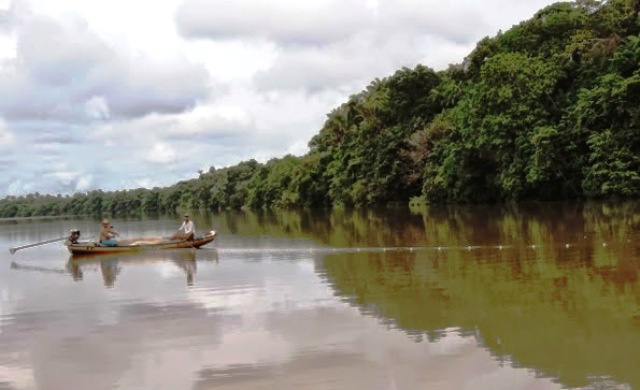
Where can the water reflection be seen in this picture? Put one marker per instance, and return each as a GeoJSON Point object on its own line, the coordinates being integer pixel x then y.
{"type": "Point", "coordinates": [542, 296]}
{"type": "Point", "coordinates": [552, 287]}
{"type": "Point", "coordinates": [549, 224]}
{"type": "Point", "coordinates": [570, 314]}
{"type": "Point", "coordinates": [110, 266]}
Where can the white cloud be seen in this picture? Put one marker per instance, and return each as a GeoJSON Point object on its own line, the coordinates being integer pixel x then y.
{"type": "Point", "coordinates": [71, 181]}
{"type": "Point", "coordinates": [351, 65]}
{"type": "Point", "coordinates": [321, 22]}
{"type": "Point", "coordinates": [324, 45]}
{"type": "Point", "coordinates": [205, 122]}
{"type": "Point", "coordinates": [19, 187]}
{"type": "Point", "coordinates": [97, 107]}
{"type": "Point", "coordinates": [291, 22]}
{"type": "Point", "coordinates": [338, 44]}
{"type": "Point", "coordinates": [7, 47]}
{"type": "Point", "coordinates": [84, 182]}
{"type": "Point", "coordinates": [65, 178]}
{"type": "Point", "coordinates": [444, 19]}
{"type": "Point", "coordinates": [62, 64]}
{"type": "Point", "coordinates": [124, 94]}
{"type": "Point", "coordinates": [161, 154]}
{"type": "Point", "coordinates": [6, 16]}
{"type": "Point", "coordinates": [7, 138]}
{"type": "Point", "coordinates": [232, 61]}
{"type": "Point", "coordinates": [146, 183]}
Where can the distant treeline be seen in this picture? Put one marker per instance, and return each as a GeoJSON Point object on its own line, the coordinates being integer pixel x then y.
{"type": "Point", "coordinates": [549, 109]}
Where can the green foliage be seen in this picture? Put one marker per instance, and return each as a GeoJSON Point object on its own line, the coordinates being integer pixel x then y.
{"type": "Point", "coordinates": [272, 185]}
{"type": "Point", "coordinates": [607, 116]}
{"type": "Point", "coordinates": [366, 142]}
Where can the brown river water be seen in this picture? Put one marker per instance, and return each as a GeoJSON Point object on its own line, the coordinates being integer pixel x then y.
{"type": "Point", "coordinates": [536, 296]}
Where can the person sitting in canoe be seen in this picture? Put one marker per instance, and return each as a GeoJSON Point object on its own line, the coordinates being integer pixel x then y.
{"type": "Point", "coordinates": [188, 228]}
{"type": "Point", "coordinates": [107, 234]}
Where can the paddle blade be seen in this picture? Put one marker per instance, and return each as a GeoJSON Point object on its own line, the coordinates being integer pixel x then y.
{"type": "Point", "coordinates": [12, 250]}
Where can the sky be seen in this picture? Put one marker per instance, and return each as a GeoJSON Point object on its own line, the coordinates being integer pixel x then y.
{"type": "Point", "coordinates": [125, 94]}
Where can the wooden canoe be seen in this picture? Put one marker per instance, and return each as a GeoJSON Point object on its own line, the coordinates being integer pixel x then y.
{"type": "Point", "coordinates": [85, 248]}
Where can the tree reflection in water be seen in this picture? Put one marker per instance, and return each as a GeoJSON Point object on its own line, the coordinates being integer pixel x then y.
{"type": "Point", "coordinates": [549, 286]}
{"type": "Point", "coordinates": [111, 265]}
{"type": "Point", "coordinates": [568, 321]}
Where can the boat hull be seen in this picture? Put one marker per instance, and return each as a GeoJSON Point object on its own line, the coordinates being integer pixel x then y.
{"type": "Point", "coordinates": [84, 248]}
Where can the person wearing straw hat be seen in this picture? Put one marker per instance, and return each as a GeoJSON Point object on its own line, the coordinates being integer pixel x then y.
{"type": "Point", "coordinates": [107, 234]}
{"type": "Point", "coordinates": [188, 228]}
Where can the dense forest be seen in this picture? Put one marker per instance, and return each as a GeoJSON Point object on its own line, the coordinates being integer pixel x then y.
{"type": "Point", "coordinates": [549, 109]}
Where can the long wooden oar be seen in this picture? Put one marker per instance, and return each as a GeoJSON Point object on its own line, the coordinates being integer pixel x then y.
{"type": "Point", "coordinates": [17, 248]}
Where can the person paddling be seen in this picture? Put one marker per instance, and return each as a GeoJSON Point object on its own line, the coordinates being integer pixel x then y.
{"type": "Point", "coordinates": [107, 234]}
{"type": "Point", "coordinates": [188, 228]}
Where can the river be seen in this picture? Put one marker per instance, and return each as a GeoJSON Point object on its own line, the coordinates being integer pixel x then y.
{"type": "Point", "coordinates": [535, 296]}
